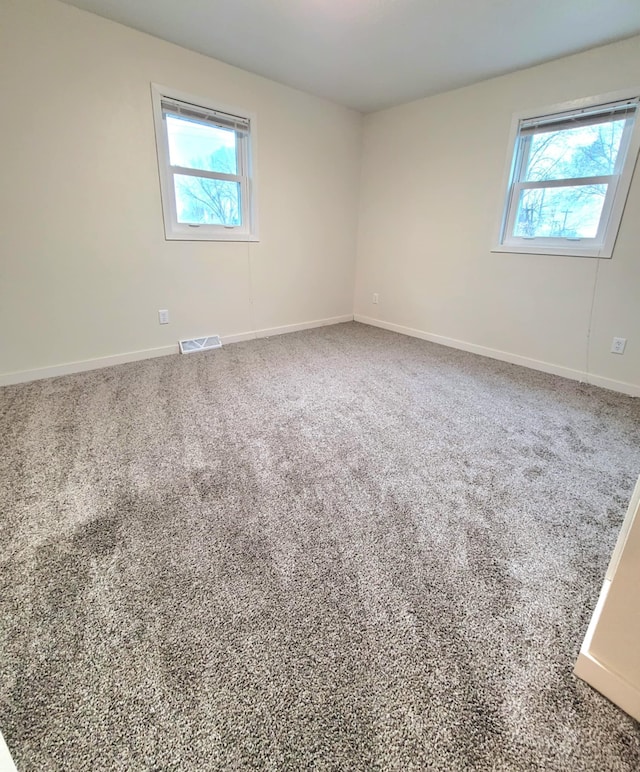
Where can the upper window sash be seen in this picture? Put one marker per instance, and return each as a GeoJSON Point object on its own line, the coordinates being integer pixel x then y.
{"type": "Point", "coordinates": [199, 171]}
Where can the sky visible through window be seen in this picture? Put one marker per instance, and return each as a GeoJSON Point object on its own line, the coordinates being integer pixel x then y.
{"type": "Point", "coordinates": [571, 211]}
{"type": "Point", "coordinates": [202, 200]}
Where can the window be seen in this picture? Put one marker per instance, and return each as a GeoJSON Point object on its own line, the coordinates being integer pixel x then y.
{"type": "Point", "coordinates": [569, 178]}
{"type": "Point", "coordinates": [205, 161]}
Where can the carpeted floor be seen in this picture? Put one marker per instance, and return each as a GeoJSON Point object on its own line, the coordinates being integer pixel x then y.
{"type": "Point", "coordinates": [340, 549]}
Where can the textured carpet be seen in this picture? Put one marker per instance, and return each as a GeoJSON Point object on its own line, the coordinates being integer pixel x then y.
{"type": "Point", "coordinates": [340, 549]}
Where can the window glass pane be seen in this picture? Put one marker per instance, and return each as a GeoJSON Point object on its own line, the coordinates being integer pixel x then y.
{"type": "Point", "coordinates": [584, 151]}
{"type": "Point", "coordinates": [566, 212]}
{"type": "Point", "coordinates": [196, 145]}
{"type": "Point", "coordinates": [203, 201]}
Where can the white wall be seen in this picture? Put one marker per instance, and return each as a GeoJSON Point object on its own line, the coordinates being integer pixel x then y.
{"type": "Point", "coordinates": [84, 265]}
{"type": "Point", "coordinates": [430, 197]}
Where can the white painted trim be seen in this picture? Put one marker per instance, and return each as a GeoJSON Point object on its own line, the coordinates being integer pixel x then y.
{"type": "Point", "coordinates": [608, 683]}
{"type": "Point", "coordinates": [586, 644]}
{"type": "Point", "coordinates": [589, 668]}
{"type": "Point", "coordinates": [303, 326]}
{"type": "Point", "coordinates": [505, 356]}
{"type": "Point", "coordinates": [6, 762]}
{"type": "Point", "coordinates": [269, 331]}
{"type": "Point", "coordinates": [23, 376]}
{"type": "Point", "coordinates": [609, 383]}
{"type": "Point", "coordinates": [632, 512]}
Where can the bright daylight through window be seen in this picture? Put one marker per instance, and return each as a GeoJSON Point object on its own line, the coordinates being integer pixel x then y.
{"type": "Point", "coordinates": [570, 175]}
{"type": "Point", "coordinates": [204, 157]}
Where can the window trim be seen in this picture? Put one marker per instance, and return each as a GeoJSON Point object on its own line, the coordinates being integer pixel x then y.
{"type": "Point", "coordinates": [603, 244]}
{"type": "Point", "coordinates": [175, 231]}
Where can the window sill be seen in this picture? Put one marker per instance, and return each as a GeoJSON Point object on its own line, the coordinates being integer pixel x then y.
{"type": "Point", "coordinates": [517, 249]}
{"type": "Point", "coordinates": [197, 236]}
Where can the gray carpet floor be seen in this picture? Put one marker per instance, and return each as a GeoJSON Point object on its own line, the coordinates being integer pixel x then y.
{"type": "Point", "coordinates": [340, 549]}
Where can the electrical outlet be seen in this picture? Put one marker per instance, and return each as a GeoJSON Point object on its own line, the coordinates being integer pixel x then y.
{"type": "Point", "coordinates": [163, 316]}
{"type": "Point", "coordinates": [618, 345]}
{"type": "Point", "coordinates": [375, 297]}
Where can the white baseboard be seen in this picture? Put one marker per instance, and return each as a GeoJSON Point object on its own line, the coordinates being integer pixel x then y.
{"type": "Point", "coordinates": [53, 371]}
{"type": "Point", "coordinates": [269, 331]}
{"type": "Point", "coordinates": [608, 383]}
{"type": "Point", "coordinates": [23, 376]}
{"type": "Point", "coordinates": [505, 356]}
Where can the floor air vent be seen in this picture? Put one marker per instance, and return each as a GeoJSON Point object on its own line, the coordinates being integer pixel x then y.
{"type": "Point", "coordinates": [200, 344]}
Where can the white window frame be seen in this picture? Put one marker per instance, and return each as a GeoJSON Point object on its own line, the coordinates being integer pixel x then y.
{"type": "Point", "coordinates": [603, 243]}
{"type": "Point", "coordinates": [246, 176]}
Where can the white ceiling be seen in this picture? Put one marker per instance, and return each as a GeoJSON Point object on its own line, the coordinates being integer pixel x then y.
{"type": "Point", "coordinates": [371, 54]}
